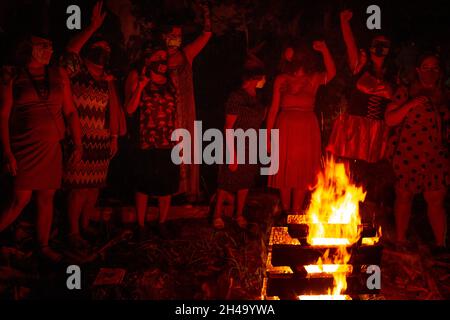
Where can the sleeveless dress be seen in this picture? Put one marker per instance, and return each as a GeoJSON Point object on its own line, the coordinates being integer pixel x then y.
{"type": "Point", "coordinates": [186, 115]}
{"type": "Point", "coordinates": [300, 142]}
{"type": "Point", "coordinates": [91, 98]}
{"type": "Point", "coordinates": [36, 129]}
{"type": "Point", "coordinates": [250, 114]}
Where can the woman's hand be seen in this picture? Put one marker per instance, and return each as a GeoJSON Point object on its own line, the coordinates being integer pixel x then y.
{"type": "Point", "coordinates": [98, 16]}
{"type": "Point", "coordinates": [11, 164]}
{"type": "Point", "coordinates": [76, 156]}
{"type": "Point", "coordinates": [320, 46]}
{"type": "Point", "coordinates": [417, 101]}
{"type": "Point", "coordinates": [346, 15]}
{"type": "Point", "coordinates": [143, 79]}
{"type": "Point", "coordinates": [206, 17]}
{"type": "Point", "coordinates": [114, 146]}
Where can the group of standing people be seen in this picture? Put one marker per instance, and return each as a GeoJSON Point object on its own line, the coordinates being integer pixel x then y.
{"type": "Point", "coordinates": [60, 125]}
{"type": "Point", "coordinates": [76, 100]}
{"type": "Point", "coordinates": [404, 125]}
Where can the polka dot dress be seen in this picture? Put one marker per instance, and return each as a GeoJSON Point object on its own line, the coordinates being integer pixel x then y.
{"type": "Point", "coordinates": [421, 158]}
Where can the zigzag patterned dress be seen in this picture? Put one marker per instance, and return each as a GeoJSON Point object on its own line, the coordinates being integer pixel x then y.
{"type": "Point", "coordinates": [91, 99]}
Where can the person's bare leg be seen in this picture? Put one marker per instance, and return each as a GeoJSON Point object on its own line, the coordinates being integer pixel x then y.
{"type": "Point", "coordinates": [285, 194]}
{"type": "Point", "coordinates": [241, 197]}
{"type": "Point", "coordinates": [44, 201]}
{"type": "Point", "coordinates": [19, 201]}
{"type": "Point", "coordinates": [89, 208]}
{"type": "Point", "coordinates": [141, 200]}
{"type": "Point", "coordinates": [297, 200]}
{"type": "Point", "coordinates": [164, 207]}
{"type": "Point", "coordinates": [436, 215]}
{"type": "Point", "coordinates": [402, 208]}
{"type": "Point", "coordinates": [76, 202]}
{"type": "Point", "coordinates": [220, 198]}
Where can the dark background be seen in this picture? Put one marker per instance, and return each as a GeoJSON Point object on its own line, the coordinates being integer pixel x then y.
{"type": "Point", "coordinates": [414, 26]}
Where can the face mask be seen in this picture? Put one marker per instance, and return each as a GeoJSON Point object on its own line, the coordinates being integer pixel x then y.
{"type": "Point", "coordinates": [158, 67]}
{"type": "Point", "coordinates": [42, 55]}
{"type": "Point", "coordinates": [379, 51]}
{"type": "Point", "coordinates": [429, 78]}
{"type": "Point", "coordinates": [98, 56]}
{"type": "Point", "coordinates": [261, 83]}
{"type": "Point", "coordinates": [173, 41]}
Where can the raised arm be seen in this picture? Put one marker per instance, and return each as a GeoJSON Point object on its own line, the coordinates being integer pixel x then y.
{"type": "Point", "coordinates": [77, 42]}
{"type": "Point", "coordinates": [328, 60]}
{"type": "Point", "coordinates": [194, 48]}
{"type": "Point", "coordinates": [349, 39]}
{"type": "Point", "coordinates": [6, 102]}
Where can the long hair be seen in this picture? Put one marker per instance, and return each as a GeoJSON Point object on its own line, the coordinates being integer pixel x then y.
{"type": "Point", "coordinates": [391, 73]}
{"type": "Point", "coordinates": [304, 58]}
{"type": "Point", "coordinates": [22, 51]}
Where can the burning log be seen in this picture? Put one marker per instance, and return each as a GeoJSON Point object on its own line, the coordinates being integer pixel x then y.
{"type": "Point", "coordinates": [324, 253]}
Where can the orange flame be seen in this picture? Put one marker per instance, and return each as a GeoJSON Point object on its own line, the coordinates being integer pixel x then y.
{"type": "Point", "coordinates": [333, 219]}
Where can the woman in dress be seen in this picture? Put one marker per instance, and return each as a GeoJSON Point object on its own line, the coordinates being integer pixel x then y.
{"type": "Point", "coordinates": [359, 136]}
{"type": "Point", "coordinates": [292, 112]}
{"type": "Point", "coordinates": [150, 92]}
{"type": "Point", "coordinates": [243, 111]}
{"type": "Point", "coordinates": [180, 62]}
{"type": "Point", "coordinates": [95, 99]}
{"type": "Point", "coordinates": [35, 100]}
{"type": "Point", "coordinates": [420, 156]}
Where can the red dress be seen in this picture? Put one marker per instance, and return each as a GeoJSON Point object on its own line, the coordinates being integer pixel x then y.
{"type": "Point", "coordinates": [299, 134]}
{"type": "Point", "coordinates": [36, 129]}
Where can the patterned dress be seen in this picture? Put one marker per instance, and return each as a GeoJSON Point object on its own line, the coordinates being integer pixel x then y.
{"type": "Point", "coordinates": [157, 111]}
{"type": "Point", "coordinates": [91, 99]}
{"type": "Point", "coordinates": [250, 114]}
{"type": "Point", "coordinates": [186, 115]}
{"type": "Point", "coordinates": [420, 159]}
{"type": "Point", "coordinates": [155, 173]}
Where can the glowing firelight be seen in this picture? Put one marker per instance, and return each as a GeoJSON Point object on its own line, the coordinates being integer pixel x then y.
{"type": "Point", "coordinates": [333, 219]}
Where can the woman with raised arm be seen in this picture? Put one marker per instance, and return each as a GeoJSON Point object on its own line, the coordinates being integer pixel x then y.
{"type": "Point", "coordinates": [95, 99]}
{"type": "Point", "coordinates": [180, 62]}
{"type": "Point", "coordinates": [359, 136]}
{"type": "Point", "coordinates": [420, 153]}
{"type": "Point", "coordinates": [150, 93]}
{"type": "Point", "coordinates": [292, 112]}
{"type": "Point", "coordinates": [35, 100]}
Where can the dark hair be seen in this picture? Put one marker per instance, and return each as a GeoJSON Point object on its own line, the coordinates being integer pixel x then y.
{"type": "Point", "coordinates": [22, 52]}
{"type": "Point", "coordinates": [425, 55]}
{"type": "Point", "coordinates": [422, 57]}
{"type": "Point", "coordinates": [253, 73]}
{"type": "Point", "coordinates": [148, 49]}
{"type": "Point", "coordinates": [304, 58]}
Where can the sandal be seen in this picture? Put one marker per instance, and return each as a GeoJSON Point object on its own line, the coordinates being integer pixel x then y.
{"type": "Point", "coordinates": [242, 222]}
{"type": "Point", "coordinates": [50, 255]}
{"type": "Point", "coordinates": [218, 223]}
{"type": "Point", "coordinates": [78, 243]}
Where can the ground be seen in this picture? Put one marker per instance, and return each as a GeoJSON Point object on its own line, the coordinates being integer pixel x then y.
{"type": "Point", "coordinates": [193, 261]}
